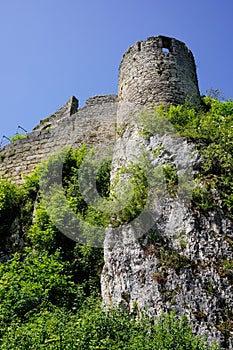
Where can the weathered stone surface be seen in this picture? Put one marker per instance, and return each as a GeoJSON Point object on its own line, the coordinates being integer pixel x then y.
{"type": "Point", "coordinates": [176, 263]}
{"type": "Point", "coordinates": [148, 75]}
{"type": "Point", "coordinates": [93, 124]}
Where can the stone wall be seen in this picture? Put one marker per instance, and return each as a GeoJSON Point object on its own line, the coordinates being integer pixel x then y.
{"type": "Point", "coordinates": [57, 117]}
{"type": "Point", "coordinates": [148, 75]}
{"type": "Point", "coordinates": [93, 124]}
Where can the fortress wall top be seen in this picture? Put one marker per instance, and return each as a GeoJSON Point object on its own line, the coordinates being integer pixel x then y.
{"type": "Point", "coordinates": [93, 124]}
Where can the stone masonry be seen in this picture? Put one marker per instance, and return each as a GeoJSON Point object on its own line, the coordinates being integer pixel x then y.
{"type": "Point", "coordinates": [158, 70]}
{"type": "Point", "coordinates": [93, 124]}
{"type": "Point", "coordinates": [56, 118]}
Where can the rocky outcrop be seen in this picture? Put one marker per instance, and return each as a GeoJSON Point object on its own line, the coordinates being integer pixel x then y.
{"type": "Point", "coordinates": [172, 256]}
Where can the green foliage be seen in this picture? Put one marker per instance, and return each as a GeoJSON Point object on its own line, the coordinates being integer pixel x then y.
{"type": "Point", "coordinates": [9, 195]}
{"type": "Point", "coordinates": [17, 137]}
{"type": "Point", "coordinates": [103, 179]}
{"type": "Point", "coordinates": [31, 184]}
{"type": "Point", "coordinates": [171, 178]}
{"type": "Point", "coordinates": [128, 200]}
{"type": "Point", "coordinates": [89, 212]}
{"type": "Point", "coordinates": [211, 128]}
{"type": "Point", "coordinates": [86, 262]}
{"type": "Point", "coordinates": [32, 280]}
{"type": "Point", "coordinates": [156, 123]}
{"type": "Point", "coordinates": [73, 182]}
{"type": "Point", "coordinates": [42, 233]}
{"type": "Point", "coordinates": [44, 291]}
{"type": "Point", "coordinates": [85, 192]}
{"type": "Point", "coordinates": [64, 169]}
{"type": "Point", "coordinates": [227, 265]}
{"type": "Point", "coordinates": [45, 234]}
{"type": "Point", "coordinates": [10, 198]}
{"type": "Point", "coordinates": [17, 202]}
{"type": "Point", "coordinates": [92, 328]}
{"type": "Point", "coordinates": [201, 197]}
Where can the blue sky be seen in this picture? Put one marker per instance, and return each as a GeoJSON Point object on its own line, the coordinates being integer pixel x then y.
{"type": "Point", "coordinates": [52, 49]}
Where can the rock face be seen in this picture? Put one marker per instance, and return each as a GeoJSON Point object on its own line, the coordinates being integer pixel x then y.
{"type": "Point", "coordinates": [171, 257]}
{"type": "Point", "coordinates": [174, 258]}
{"type": "Point", "coordinates": [178, 264]}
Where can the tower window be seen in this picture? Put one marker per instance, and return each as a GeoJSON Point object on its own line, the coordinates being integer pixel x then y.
{"type": "Point", "coordinates": [139, 46]}
{"type": "Point", "coordinates": [166, 44]}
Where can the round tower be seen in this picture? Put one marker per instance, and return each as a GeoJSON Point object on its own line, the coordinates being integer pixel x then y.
{"type": "Point", "coordinates": [158, 70]}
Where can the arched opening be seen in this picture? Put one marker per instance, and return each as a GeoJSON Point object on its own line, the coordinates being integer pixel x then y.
{"type": "Point", "coordinates": [166, 44]}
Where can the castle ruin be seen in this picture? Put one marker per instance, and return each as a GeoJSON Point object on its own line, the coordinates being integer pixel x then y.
{"type": "Point", "coordinates": [157, 70]}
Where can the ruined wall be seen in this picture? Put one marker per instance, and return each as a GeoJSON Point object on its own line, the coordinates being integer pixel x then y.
{"type": "Point", "coordinates": [93, 124]}
{"type": "Point", "coordinates": [148, 75]}
{"type": "Point", "coordinates": [69, 108]}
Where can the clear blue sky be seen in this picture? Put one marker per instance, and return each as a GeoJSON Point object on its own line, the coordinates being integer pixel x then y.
{"type": "Point", "coordinates": [52, 49]}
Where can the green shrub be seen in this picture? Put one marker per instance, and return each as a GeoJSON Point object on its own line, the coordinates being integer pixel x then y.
{"type": "Point", "coordinates": [92, 328]}
{"type": "Point", "coordinates": [32, 280]}
{"type": "Point", "coordinates": [17, 137]}
{"type": "Point", "coordinates": [10, 200]}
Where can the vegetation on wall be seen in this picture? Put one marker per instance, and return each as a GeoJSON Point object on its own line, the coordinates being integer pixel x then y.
{"type": "Point", "coordinates": [50, 289]}
{"type": "Point", "coordinates": [17, 137]}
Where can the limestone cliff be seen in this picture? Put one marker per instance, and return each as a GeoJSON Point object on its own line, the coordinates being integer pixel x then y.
{"type": "Point", "coordinates": [171, 256]}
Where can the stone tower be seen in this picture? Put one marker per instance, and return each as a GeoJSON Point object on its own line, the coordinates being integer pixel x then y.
{"type": "Point", "coordinates": [158, 70]}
